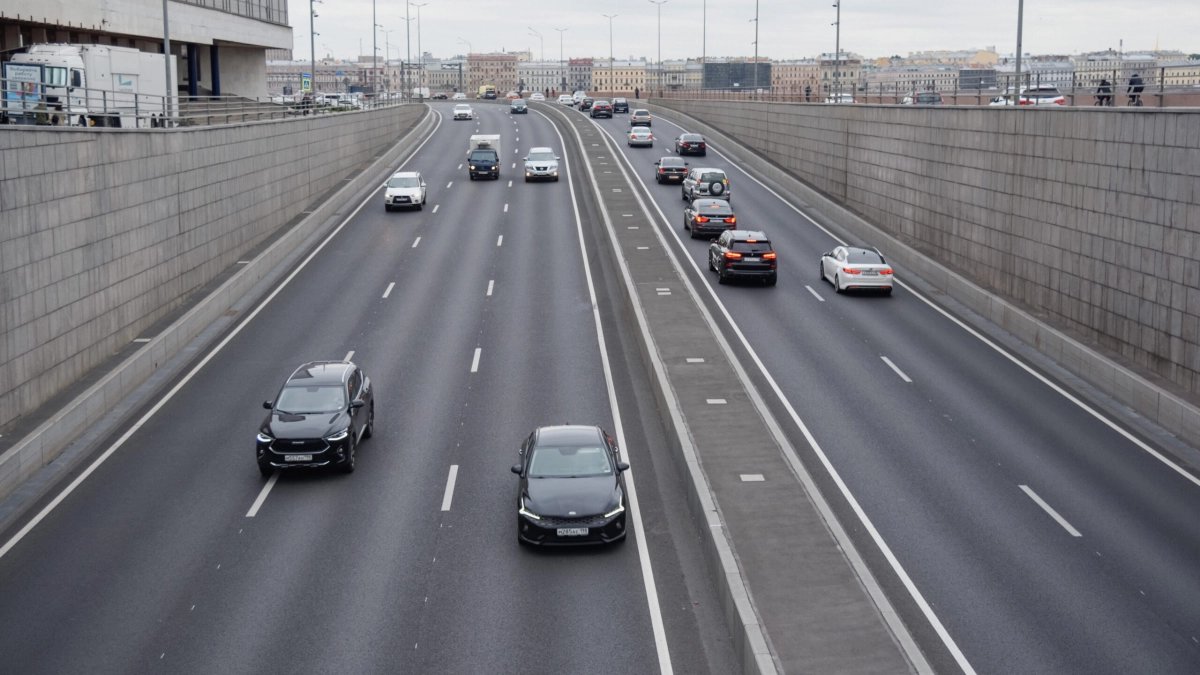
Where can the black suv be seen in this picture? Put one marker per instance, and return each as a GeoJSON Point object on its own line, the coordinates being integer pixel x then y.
{"type": "Point", "coordinates": [586, 103]}
{"type": "Point", "coordinates": [742, 254]}
{"type": "Point", "coordinates": [620, 105]}
{"type": "Point", "coordinates": [708, 218]}
{"type": "Point", "coordinates": [317, 419]}
{"type": "Point", "coordinates": [519, 106]}
{"type": "Point", "coordinates": [601, 108]}
{"type": "Point", "coordinates": [484, 163]}
{"type": "Point", "coordinates": [691, 144]}
{"type": "Point", "coordinates": [670, 170]}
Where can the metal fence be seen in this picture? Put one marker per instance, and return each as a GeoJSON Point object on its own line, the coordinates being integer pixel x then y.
{"type": "Point", "coordinates": [49, 104]}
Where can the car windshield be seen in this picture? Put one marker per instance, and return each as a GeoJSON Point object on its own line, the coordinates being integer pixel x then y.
{"type": "Point", "coordinates": [462, 106]}
{"type": "Point", "coordinates": [712, 209]}
{"type": "Point", "coordinates": [752, 246]}
{"type": "Point", "coordinates": [863, 258]}
{"type": "Point", "coordinates": [712, 176]}
{"type": "Point", "coordinates": [518, 104]}
{"type": "Point", "coordinates": [397, 182]}
{"type": "Point", "coordinates": [618, 100]}
{"type": "Point", "coordinates": [928, 98]}
{"type": "Point", "coordinates": [577, 461]}
{"type": "Point", "coordinates": [540, 157]}
{"type": "Point", "coordinates": [691, 138]}
{"type": "Point", "coordinates": [311, 400]}
{"type": "Point", "coordinates": [642, 112]}
{"type": "Point", "coordinates": [484, 156]}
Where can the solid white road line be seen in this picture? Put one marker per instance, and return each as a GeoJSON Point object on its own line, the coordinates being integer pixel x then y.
{"type": "Point", "coordinates": [1053, 514]}
{"type": "Point", "coordinates": [893, 367]}
{"type": "Point", "coordinates": [416, 241]}
{"type": "Point", "coordinates": [142, 339]}
{"type": "Point", "coordinates": [262, 495]}
{"type": "Point", "coordinates": [475, 360]}
{"type": "Point", "coordinates": [435, 207]}
{"type": "Point", "coordinates": [500, 240]}
{"type": "Point", "coordinates": [815, 294]}
{"type": "Point", "coordinates": [349, 355]}
{"type": "Point", "coordinates": [389, 289]}
{"type": "Point", "coordinates": [639, 532]}
{"type": "Point", "coordinates": [450, 487]}
{"type": "Point", "coordinates": [506, 208]}
{"type": "Point", "coordinates": [490, 283]}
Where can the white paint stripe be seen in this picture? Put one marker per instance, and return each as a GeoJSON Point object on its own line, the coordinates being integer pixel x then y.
{"type": "Point", "coordinates": [416, 241]}
{"type": "Point", "coordinates": [692, 359]}
{"type": "Point", "coordinates": [1053, 514]}
{"type": "Point", "coordinates": [506, 208]}
{"type": "Point", "coordinates": [500, 240]}
{"type": "Point", "coordinates": [449, 184]}
{"type": "Point", "coordinates": [514, 151]}
{"type": "Point", "coordinates": [632, 227]}
{"type": "Point", "coordinates": [715, 401]}
{"type": "Point", "coordinates": [643, 248]}
{"type": "Point", "coordinates": [450, 487]}
{"type": "Point", "coordinates": [142, 339]}
{"type": "Point", "coordinates": [435, 207]}
{"type": "Point", "coordinates": [895, 368]}
{"type": "Point", "coordinates": [389, 289]}
{"type": "Point", "coordinates": [262, 495]}
{"type": "Point", "coordinates": [243, 262]}
{"type": "Point", "coordinates": [639, 532]}
{"type": "Point", "coordinates": [490, 283]}
{"type": "Point", "coordinates": [513, 166]}
{"type": "Point", "coordinates": [349, 355]}
{"type": "Point", "coordinates": [460, 167]}
{"type": "Point", "coordinates": [752, 478]}
{"type": "Point", "coordinates": [510, 183]}
{"type": "Point", "coordinates": [475, 360]}
{"type": "Point", "coordinates": [815, 294]}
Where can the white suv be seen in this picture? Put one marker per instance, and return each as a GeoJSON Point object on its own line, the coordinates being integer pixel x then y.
{"type": "Point", "coordinates": [541, 164]}
{"type": "Point", "coordinates": [404, 189]}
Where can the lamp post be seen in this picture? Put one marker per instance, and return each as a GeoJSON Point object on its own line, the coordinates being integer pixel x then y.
{"type": "Point", "coordinates": [469, 50]}
{"type": "Point", "coordinates": [167, 59]}
{"type": "Point", "coordinates": [561, 63]}
{"type": "Point", "coordinates": [660, 3]}
{"type": "Point", "coordinates": [420, 54]}
{"type": "Point", "coordinates": [374, 51]}
{"type": "Point", "coordinates": [837, 57]}
{"type": "Point", "coordinates": [756, 47]}
{"type": "Point", "coordinates": [1020, 24]}
{"type": "Point", "coordinates": [611, 63]}
{"type": "Point", "coordinates": [543, 57]}
{"type": "Point", "coordinates": [312, 45]}
{"type": "Point", "coordinates": [704, 47]}
{"type": "Point", "coordinates": [386, 51]}
{"type": "Point", "coordinates": [407, 48]}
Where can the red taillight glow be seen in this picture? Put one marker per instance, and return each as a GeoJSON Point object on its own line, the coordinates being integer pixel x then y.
{"type": "Point", "coordinates": [850, 271]}
{"type": "Point", "coordinates": [701, 219]}
{"type": "Point", "coordinates": [731, 219]}
{"type": "Point", "coordinates": [751, 241]}
{"type": "Point", "coordinates": [769, 256]}
{"type": "Point", "coordinates": [732, 254]}
{"type": "Point", "coordinates": [662, 170]}
{"type": "Point", "coordinates": [888, 271]}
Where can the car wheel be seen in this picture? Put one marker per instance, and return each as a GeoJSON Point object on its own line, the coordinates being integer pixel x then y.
{"type": "Point", "coordinates": [711, 265]}
{"type": "Point", "coordinates": [370, 423]}
{"type": "Point", "coordinates": [837, 285]}
{"type": "Point", "coordinates": [821, 265]}
{"type": "Point", "coordinates": [683, 194]}
{"type": "Point", "coordinates": [387, 207]}
{"type": "Point", "coordinates": [771, 280]}
{"type": "Point", "coordinates": [471, 176]}
{"type": "Point", "coordinates": [704, 154]}
{"type": "Point", "coordinates": [526, 179]}
{"type": "Point", "coordinates": [266, 470]}
{"type": "Point", "coordinates": [420, 205]}
{"type": "Point", "coordinates": [351, 457]}
{"type": "Point", "coordinates": [556, 179]}
{"type": "Point", "coordinates": [685, 224]}
{"type": "Point", "coordinates": [721, 279]}
{"type": "Point", "coordinates": [887, 291]}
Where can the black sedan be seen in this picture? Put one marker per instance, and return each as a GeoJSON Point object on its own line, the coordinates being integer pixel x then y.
{"type": "Point", "coordinates": [320, 414]}
{"type": "Point", "coordinates": [708, 218]}
{"type": "Point", "coordinates": [670, 170]}
{"type": "Point", "coordinates": [571, 491]}
{"type": "Point", "coordinates": [691, 144]}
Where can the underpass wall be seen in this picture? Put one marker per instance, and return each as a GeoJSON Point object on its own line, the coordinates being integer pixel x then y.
{"type": "Point", "coordinates": [105, 231]}
{"type": "Point", "coordinates": [1089, 217]}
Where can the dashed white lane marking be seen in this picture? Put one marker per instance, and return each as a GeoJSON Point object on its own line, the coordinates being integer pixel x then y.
{"type": "Point", "coordinates": [695, 359]}
{"type": "Point", "coordinates": [449, 487]}
{"type": "Point", "coordinates": [752, 478]}
{"type": "Point", "coordinates": [715, 401]}
{"type": "Point", "coordinates": [506, 208]}
{"type": "Point", "coordinates": [475, 360]}
{"type": "Point", "coordinates": [500, 240]}
{"type": "Point", "coordinates": [1053, 514]}
{"type": "Point", "coordinates": [510, 182]}
{"type": "Point", "coordinates": [389, 289]}
{"type": "Point", "coordinates": [514, 151]}
{"type": "Point", "coordinates": [514, 166]}
{"type": "Point", "coordinates": [518, 137]}
{"type": "Point", "coordinates": [243, 262]}
{"type": "Point", "coordinates": [460, 167]}
{"type": "Point", "coordinates": [491, 282]}
{"type": "Point", "coordinates": [141, 339]}
{"type": "Point", "coordinates": [435, 207]}
{"type": "Point", "coordinates": [349, 355]}
{"type": "Point", "coordinates": [893, 367]}
{"type": "Point", "coordinates": [415, 242]}
{"type": "Point", "coordinates": [262, 495]}
{"type": "Point", "coordinates": [632, 227]}
{"type": "Point", "coordinates": [616, 189]}
{"type": "Point", "coordinates": [626, 215]}
{"type": "Point", "coordinates": [607, 172]}
{"type": "Point", "coordinates": [815, 294]}
{"type": "Point", "coordinates": [643, 248]}
{"type": "Point", "coordinates": [449, 184]}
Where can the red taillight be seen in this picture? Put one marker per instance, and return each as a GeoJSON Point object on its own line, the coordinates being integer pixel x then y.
{"type": "Point", "coordinates": [1061, 102]}
{"type": "Point", "coordinates": [850, 271]}
{"type": "Point", "coordinates": [888, 271]}
{"type": "Point", "coordinates": [731, 219]}
{"type": "Point", "coordinates": [651, 136]}
{"type": "Point", "coordinates": [687, 145]}
{"type": "Point", "coordinates": [769, 256]}
{"type": "Point", "coordinates": [632, 137]}
{"type": "Point", "coordinates": [732, 254]}
{"type": "Point", "coordinates": [701, 219]}
{"type": "Point", "coordinates": [662, 170]}
{"type": "Point", "coordinates": [700, 144]}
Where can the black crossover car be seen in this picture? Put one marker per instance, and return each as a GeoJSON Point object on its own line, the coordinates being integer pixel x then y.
{"type": "Point", "coordinates": [708, 218]}
{"type": "Point", "coordinates": [742, 254]}
{"type": "Point", "coordinates": [483, 163]}
{"type": "Point", "coordinates": [571, 491]}
{"type": "Point", "coordinates": [620, 105]}
{"type": "Point", "coordinates": [320, 414]}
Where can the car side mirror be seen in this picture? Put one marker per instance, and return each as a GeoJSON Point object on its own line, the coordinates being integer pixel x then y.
{"type": "Point", "coordinates": [422, 183]}
{"type": "Point", "coordinates": [268, 404]}
{"type": "Point", "coordinates": [622, 466]}
{"type": "Point", "coordinates": [516, 468]}
{"type": "Point", "coordinates": [557, 157]}
{"type": "Point", "coordinates": [657, 163]}
{"type": "Point", "coordinates": [357, 403]}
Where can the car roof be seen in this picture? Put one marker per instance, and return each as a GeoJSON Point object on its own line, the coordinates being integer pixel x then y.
{"type": "Point", "coordinates": [541, 150]}
{"type": "Point", "coordinates": [568, 434]}
{"type": "Point", "coordinates": [750, 234]}
{"type": "Point", "coordinates": [706, 169]}
{"type": "Point", "coordinates": [712, 202]}
{"type": "Point", "coordinates": [407, 174]}
{"type": "Point", "coordinates": [675, 160]}
{"type": "Point", "coordinates": [320, 372]}
{"type": "Point", "coordinates": [688, 133]}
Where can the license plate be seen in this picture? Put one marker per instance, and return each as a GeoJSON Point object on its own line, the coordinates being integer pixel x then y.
{"type": "Point", "coordinates": [297, 458]}
{"type": "Point", "coordinates": [572, 531]}
{"type": "Point", "coordinates": [870, 273]}
{"type": "Point", "coordinates": [753, 259]}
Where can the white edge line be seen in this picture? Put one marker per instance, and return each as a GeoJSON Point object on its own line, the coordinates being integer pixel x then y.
{"type": "Point", "coordinates": [1048, 509]}
{"type": "Point", "coordinates": [896, 368]}
{"type": "Point", "coordinates": [33, 522]}
{"type": "Point", "coordinates": [450, 480]}
{"type": "Point", "coordinates": [899, 630]}
{"type": "Point", "coordinates": [475, 360]}
{"type": "Point", "coordinates": [262, 495]}
{"type": "Point", "coordinates": [815, 294]}
{"type": "Point", "coordinates": [389, 289]}
{"type": "Point", "coordinates": [656, 620]}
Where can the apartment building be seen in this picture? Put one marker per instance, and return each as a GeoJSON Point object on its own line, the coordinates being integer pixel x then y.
{"type": "Point", "coordinates": [791, 77]}
{"type": "Point", "coordinates": [618, 78]}
{"type": "Point", "coordinates": [737, 73]}
{"type": "Point", "coordinates": [579, 75]}
{"type": "Point", "coordinates": [542, 75]}
{"type": "Point", "coordinates": [983, 57]}
{"type": "Point", "coordinates": [840, 75]}
{"type": "Point", "coordinates": [498, 70]}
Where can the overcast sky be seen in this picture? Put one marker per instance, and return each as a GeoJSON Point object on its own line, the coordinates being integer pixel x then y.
{"type": "Point", "coordinates": [790, 28]}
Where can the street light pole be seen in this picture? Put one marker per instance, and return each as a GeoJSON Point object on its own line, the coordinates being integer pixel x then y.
{"type": "Point", "coordinates": [420, 54]}
{"type": "Point", "coordinates": [660, 3]}
{"type": "Point", "coordinates": [704, 48]}
{"type": "Point", "coordinates": [611, 63]}
{"type": "Point", "coordinates": [387, 51]}
{"type": "Point", "coordinates": [312, 45]}
{"type": "Point", "coordinates": [167, 59]}
{"type": "Point", "coordinates": [374, 52]}
{"type": "Point", "coordinates": [561, 63]}
{"type": "Point", "coordinates": [837, 57]}
{"type": "Point", "coordinates": [756, 47]}
{"type": "Point", "coordinates": [1020, 25]}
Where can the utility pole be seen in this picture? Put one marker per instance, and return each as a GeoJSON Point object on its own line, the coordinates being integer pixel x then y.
{"type": "Point", "coordinates": [460, 73]}
{"type": "Point", "coordinates": [562, 63]}
{"type": "Point", "coordinates": [420, 54]}
{"type": "Point", "coordinates": [167, 62]}
{"type": "Point", "coordinates": [312, 45]}
{"type": "Point", "coordinates": [407, 47]}
{"type": "Point", "coordinates": [374, 52]}
{"type": "Point", "coordinates": [704, 48]}
{"type": "Point", "coordinates": [660, 3]}
{"type": "Point", "coordinates": [837, 57]}
{"type": "Point", "coordinates": [1020, 24]}
{"type": "Point", "coordinates": [756, 47]}
{"type": "Point", "coordinates": [611, 63]}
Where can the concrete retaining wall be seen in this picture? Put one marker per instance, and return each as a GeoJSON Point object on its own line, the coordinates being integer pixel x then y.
{"type": "Point", "coordinates": [103, 232]}
{"type": "Point", "coordinates": [1090, 217]}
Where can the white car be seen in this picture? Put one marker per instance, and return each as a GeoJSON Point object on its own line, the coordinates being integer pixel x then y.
{"type": "Point", "coordinates": [404, 189]}
{"type": "Point", "coordinates": [840, 98]}
{"type": "Point", "coordinates": [565, 99]}
{"type": "Point", "coordinates": [541, 164]}
{"type": "Point", "coordinates": [849, 267]}
{"type": "Point", "coordinates": [459, 96]}
{"type": "Point", "coordinates": [463, 111]}
{"type": "Point", "coordinates": [1037, 95]}
{"type": "Point", "coordinates": [537, 96]}
{"type": "Point", "coordinates": [640, 136]}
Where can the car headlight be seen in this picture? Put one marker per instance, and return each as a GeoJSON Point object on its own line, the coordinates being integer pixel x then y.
{"type": "Point", "coordinates": [472, 167]}
{"type": "Point", "coordinates": [339, 436]}
{"type": "Point", "coordinates": [526, 512]}
{"type": "Point", "coordinates": [494, 168]}
{"type": "Point", "coordinates": [263, 438]}
{"type": "Point", "coordinates": [620, 508]}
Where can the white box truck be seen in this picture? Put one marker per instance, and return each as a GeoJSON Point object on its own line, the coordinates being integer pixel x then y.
{"type": "Point", "coordinates": [100, 85]}
{"type": "Point", "coordinates": [420, 92]}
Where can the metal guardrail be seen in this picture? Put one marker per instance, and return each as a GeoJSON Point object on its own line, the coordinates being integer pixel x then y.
{"type": "Point", "coordinates": [48, 104]}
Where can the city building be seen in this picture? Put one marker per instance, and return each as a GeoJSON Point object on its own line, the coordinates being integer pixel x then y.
{"type": "Point", "coordinates": [541, 75]}
{"type": "Point", "coordinates": [279, 55]}
{"type": "Point", "coordinates": [1035, 72]}
{"type": "Point", "coordinates": [1114, 67]}
{"type": "Point", "coordinates": [791, 77]}
{"type": "Point", "coordinates": [737, 73]}
{"type": "Point", "coordinates": [675, 75]}
{"type": "Point", "coordinates": [332, 76]}
{"type": "Point", "coordinates": [579, 75]}
{"type": "Point", "coordinates": [1180, 73]}
{"type": "Point", "coordinates": [977, 78]}
{"type": "Point", "coordinates": [498, 70]}
{"type": "Point", "coordinates": [907, 79]}
{"type": "Point", "coordinates": [983, 57]}
{"type": "Point", "coordinates": [840, 75]}
{"type": "Point", "coordinates": [618, 78]}
{"type": "Point", "coordinates": [449, 75]}
{"type": "Point", "coordinates": [217, 51]}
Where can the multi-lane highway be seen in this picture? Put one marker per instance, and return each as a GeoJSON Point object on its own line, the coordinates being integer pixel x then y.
{"type": "Point", "coordinates": [474, 319]}
{"type": "Point", "coordinates": [1043, 537]}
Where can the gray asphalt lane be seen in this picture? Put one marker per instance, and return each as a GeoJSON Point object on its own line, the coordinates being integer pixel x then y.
{"type": "Point", "coordinates": [153, 563]}
{"type": "Point", "coordinates": [937, 464]}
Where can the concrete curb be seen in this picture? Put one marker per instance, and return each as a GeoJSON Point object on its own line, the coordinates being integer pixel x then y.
{"type": "Point", "coordinates": [45, 443]}
{"type": "Point", "coordinates": [749, 635]}
{"type": "Point", "coordinates": [1125, 386]}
